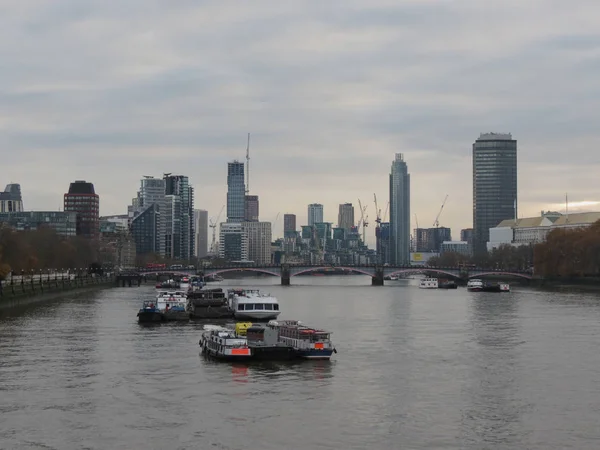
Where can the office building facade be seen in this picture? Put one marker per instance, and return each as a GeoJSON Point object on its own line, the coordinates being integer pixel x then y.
{"type": "Point", "coordinates": [83, 200]}
{"type": "Point", "coordinates": [63, 223]}
{"type": "Point", "coordinates": [346, 216]}
{"type": "Point", "coordinates": [494, 184]}
{"type": "Point", "coordinates": [233, 242]}
{"type": "Point", "coordinates": [179, 217]}
{"type": "Point", "coordinates": [289, 225]}
{"type": "Point", "coordinates": [251, 208]}
{"type": "Point", "coordinates": [201, 231]}
{"type": "Point", "coordinates": [315, 213]}
{"type": "Point", "coordinates": [399, 212]}
{"type": "Point", "coordinates": [259, 241]}
{"type": "Point", "coordinates": [236, 192]}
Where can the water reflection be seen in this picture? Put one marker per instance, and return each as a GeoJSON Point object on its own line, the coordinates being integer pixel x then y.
{"type": "Point", "coordinates": [494, 409]}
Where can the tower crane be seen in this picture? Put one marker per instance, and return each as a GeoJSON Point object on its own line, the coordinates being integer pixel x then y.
{"type": "Point", "coordinates": [386, 211]}
{"type": "Point", "coordinates": [417, 221]}
{"type": "Point", "coordinates": [364, 219]}
{"type": "Point", "coordinates": [436, 223]}
{"type": "Point", "coordinates": [377, 210]}
{"type": "Point", "coordinates": [213, 225]}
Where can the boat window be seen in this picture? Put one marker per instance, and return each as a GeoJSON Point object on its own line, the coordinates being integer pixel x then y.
{"type": "Point", "coordinates": [276, 307]}
{"type": "Point", "coordinates": [268, 306]}
{"type": "Point", "coordinates": [258, 306]}
{"type": "Point", "coordinates": [249, 306]}
{"type": "Point", "coordinates": [241, 307]}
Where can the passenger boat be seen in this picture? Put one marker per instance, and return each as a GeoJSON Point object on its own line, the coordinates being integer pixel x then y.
{"type": "Point", "coordinates": [428, 283]}
{"type": "Point", "coordinates": [169, 284]}
{"type": "Point", "coordinates": [308, 343]}
{"type": "Point", "coordinates": [149, 313]}
{"type": "Point", "coordinates": [251, 304]}
{"type": "Point", "coordinates": [475, 285]}
{"type": "Point", "coordinates": [223, 343]}
{"type": "Point", "coordinates": [265, 344]}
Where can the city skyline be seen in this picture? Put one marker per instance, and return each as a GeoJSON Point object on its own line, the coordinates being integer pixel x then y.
{"type": "Point", "coordinates": [137, 104]}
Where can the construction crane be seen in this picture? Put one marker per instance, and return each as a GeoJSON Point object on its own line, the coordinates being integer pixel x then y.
{"type": "Point", "coordinates": [213, 225]}
{"type": "Point", "coordinates": [417, 221]}
{"type": "Point", "coordinates": [386, 211]}
{"type": "Point", "coordinates": [364, 219]}
{"type": "Point", "coordinates": [377, 210]}
{"type": "Point", "coordinates": [436, 223]}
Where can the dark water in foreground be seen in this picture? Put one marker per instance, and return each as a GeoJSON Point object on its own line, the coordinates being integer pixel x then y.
{"type": "Point", "coordinates": [416, 369]}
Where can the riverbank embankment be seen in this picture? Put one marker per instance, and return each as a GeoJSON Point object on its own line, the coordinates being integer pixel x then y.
{"type": "Point", "coordinates": [40, 289]}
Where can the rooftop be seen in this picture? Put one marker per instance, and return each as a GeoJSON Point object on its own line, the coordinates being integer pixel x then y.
{"type": "Point", "coordinates": [11, 192]}
{"type": "Point", "coordinates": [551, 219]}
{"type": "Point", "coordinates": [81, 187]}
{"type": "Point", "coordinates": [495, 137]}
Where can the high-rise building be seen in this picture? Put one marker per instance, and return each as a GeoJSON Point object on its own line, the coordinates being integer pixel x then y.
{"type": "Point", "coordinates": [431, 239]}
{"type": "Point", "coordinates": [179, 217]}
{"type": "Point", "coordinates": [315, 213]}
{"type": "Point", "coordinates": [147, 219]}
{"type": "Point", "coordinates": [289, 225]}
{"type": "Point", "coordinates": [83, 200]}
{"type": "Point", "coordinates": [236, 192]}
{"type": "Point", "coordinates": [382, 242]}
{"type": "Point", "coordinates": [144, 228]}
{"type": "Point", "coordinates": [399, 212]}
{"type": "Point", "coordinates": [251, 208]}
{"type": "Point", "coordinates": [259, 241]}
{"type": "Point", "coordinates": [201, 230]}
{"type": "Point", "coordinates": [494, 184]}
{"type": "Point", "coordinates": [233, 242]}
{"type": "Point", "coordinates": [346, 216]}
{"type": "Point", "coordinates": [10, 199]}
{"type": "Point", "coordinates": [63, 223]}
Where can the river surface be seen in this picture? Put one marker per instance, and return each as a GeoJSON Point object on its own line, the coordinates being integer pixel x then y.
{"type": "Point", "coordinates": [415, 369]}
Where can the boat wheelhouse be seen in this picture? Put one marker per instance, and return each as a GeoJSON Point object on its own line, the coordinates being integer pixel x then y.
{"type": "Point", "coordinates": [428, 283]}
{"type": "Point", "coordinates": [149, 313]}
{"type": "Point", "coordinates": [223, 343]}
{"type": "Point", "coordinates": [251, 304]}
{"type": "Point", "coordinates": [307, 342]}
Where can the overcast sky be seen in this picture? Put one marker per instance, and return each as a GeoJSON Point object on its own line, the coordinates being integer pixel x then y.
{"type": "Point", "coordinates": [109, 91]}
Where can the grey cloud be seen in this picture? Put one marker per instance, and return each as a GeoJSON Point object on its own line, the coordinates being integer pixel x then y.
{"type": "Point", "coordinates": [329, 90]}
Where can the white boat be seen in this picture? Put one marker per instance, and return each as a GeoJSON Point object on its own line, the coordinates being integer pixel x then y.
{"type": "Point", "coordinates": [251, 304]}
{"type": "Point", "coordinates": [171, 301]}
{"type": "Point", "coordinates": [429, 283]}
{"type": "Point", "coordinates": [504, 287]}
{"type": "Point", "coordinates": [475, 285]}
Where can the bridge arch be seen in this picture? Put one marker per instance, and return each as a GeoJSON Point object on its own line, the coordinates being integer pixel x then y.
{"type": "Point", "coordinates": [242, 269]}
{"type": "Point", "coordinates": [167, 272]}
{"type": "Point", "coordinates": [423, 270]}
{"type": "Point", "coordinates": [314, 269]}
{"type": "Point", "coordinates": [510, 274]}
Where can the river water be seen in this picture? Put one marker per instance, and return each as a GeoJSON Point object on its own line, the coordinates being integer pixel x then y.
{"type": "Point", "coordinates": [415, 369]}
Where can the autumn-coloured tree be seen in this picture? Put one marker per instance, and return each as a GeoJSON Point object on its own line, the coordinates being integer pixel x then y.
{"type": "Point", "coordinates": [569, 253]}
{"type": "Point", "coordinates": [43, 249]}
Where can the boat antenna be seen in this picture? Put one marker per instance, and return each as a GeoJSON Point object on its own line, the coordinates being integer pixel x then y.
{"type": "Point", "coordinates": [248, 166]}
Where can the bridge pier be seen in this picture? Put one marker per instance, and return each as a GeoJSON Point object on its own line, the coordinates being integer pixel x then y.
{"type": "Point", "coordinates": [377, 279]}
{"type": "Point", "coordinates": [285, 275]}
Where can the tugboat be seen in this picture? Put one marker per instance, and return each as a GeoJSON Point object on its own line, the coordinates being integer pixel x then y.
{"type": "Point", "coordinates": [149, 313]}
{"type": "Point", "coordinates": [222, 343]}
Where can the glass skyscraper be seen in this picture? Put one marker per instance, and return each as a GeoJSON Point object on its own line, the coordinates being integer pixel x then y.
{"type": "Point", "coordinates": [179, 217]}
{"type": "Point", "coordinates": [236, 192]}
{"type": "Point", "coordinates": [494, 184]}
{"type": "Point", "coordinates": [399, 212]}
{"type": "Point", "coordinates": [315, 213]}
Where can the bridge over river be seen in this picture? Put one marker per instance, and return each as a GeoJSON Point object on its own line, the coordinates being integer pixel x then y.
{"type": "Point", "coordinates": [377, 272]}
